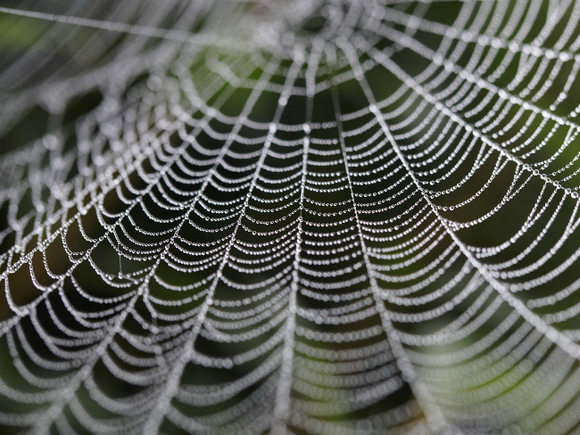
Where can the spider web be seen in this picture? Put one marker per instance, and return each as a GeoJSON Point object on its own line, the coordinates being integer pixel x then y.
{"type": "Point", "coordinates": [289, 217]}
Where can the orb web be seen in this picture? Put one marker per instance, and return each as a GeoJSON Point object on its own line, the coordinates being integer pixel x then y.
{"type": "Point", "coordinates": [289, 217]}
